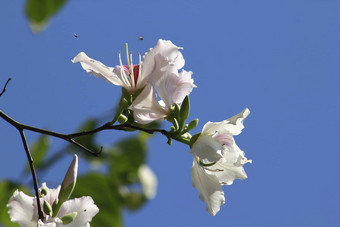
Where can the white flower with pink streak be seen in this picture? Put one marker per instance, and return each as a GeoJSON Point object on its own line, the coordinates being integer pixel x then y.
{"type": "Point", "coordinates": [134, 77]}
{"type": "Point", "coordinates": [218, 160]}
{"type": "Point", "coordinates": [171, 86]}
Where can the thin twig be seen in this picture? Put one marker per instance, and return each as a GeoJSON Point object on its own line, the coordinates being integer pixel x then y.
{"type": "Point", "coordinates": [70, 137]}
{"type": "Point", "coordinates": [4, 89]}
{"type": "Point", "coordinates": [34, 176]}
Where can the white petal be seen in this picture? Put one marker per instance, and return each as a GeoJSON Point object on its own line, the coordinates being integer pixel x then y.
{"type": "Point", "coordinates": [230, 166]}
{"type": "Point", "coordinates": [148, 180]}
{"type": "Point", "coordinates": [178, 86]}
{"type": "Point", "coordinates": [146, 107]}
{"type": "Point", "coordinates": [168, 51]}
{"type": "Point", "coordinates": [97, 68]}
{"type": "Point", "coordinates": [85, 208]}
{"type": "Point", "coordinates": [185, 84]}
{"type": "Point", "coordinates": [21, 209]}
{"type": "Point", "coordinates": [209, 188]}
{"type": "Point", "coordinates": [235, 123]}
{"type": "Point", "coordinates": [232, 125]}
{"type": "Point", "coordinates": [207, 148]}
{"type": "Point", "coordinates": [47, 224]}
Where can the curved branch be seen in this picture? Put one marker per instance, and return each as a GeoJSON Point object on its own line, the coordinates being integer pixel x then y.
{"type": "Point", "coordinates": [4, 89]}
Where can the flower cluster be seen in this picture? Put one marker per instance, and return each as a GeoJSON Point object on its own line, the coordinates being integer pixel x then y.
{"type": "Point", "coordinates": [217, 159]}
{"type": "Point", "coordinates": [158, 71]}
{"type": "Point", "coordinates": [156, 88]}
{"type": "Point", "coordinates": [58, 210]}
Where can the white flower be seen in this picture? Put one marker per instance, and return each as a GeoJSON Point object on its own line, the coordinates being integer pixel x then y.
{"type": "Point", "coordinates": [171, 86]}
{"type": "Point", "coordinates": [218, 160]}
{"type": "Point", "coordinates": [58, 211]}
{"type": "Point", "coordinates": [130, 76]}
{"type": "Point", "coordinates": [23, 209]}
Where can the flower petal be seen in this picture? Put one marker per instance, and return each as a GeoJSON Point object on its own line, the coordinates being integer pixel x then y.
{"type": "Point", "coordinates": [178, 86]}
{"type": "Point", "coordinates": [235, 123]}
{"type": "Point", "coordinates": [98, 69]}
{"type": "Point", "coordinates": [85, 208]}
{"type": "Point", "coordinates": [209, 188]}
{"type": "Point", "coordinates": [207, 148]}
{"type": "Point", "coordinates": [232, 125]}
{"type": "Point", "coordinates": [21, 210]}
{"type": "Point", "coordinates": [168, 51]}
{"type": "Point", "coordinates": [146, 107]}
{"type": "Point", "coordinates": [41, 224]}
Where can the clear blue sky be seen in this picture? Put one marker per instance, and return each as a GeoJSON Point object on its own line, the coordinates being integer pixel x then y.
{"type": "Point", "coordinates": [281, 59]}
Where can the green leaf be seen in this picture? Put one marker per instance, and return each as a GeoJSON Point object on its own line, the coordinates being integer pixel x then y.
{"type": "Point", "coordinates": [7, 189]}
{"type": "Point", "coordinates": [38, 12]}
{"type": "Point", "coordinates": [127, 156]}
{"type": "Point", "coordinates": [105, 195]}
{"type": "Point", "coordinates": [134, 200]}
{"type": "Point", "coordinates": [39, 151]}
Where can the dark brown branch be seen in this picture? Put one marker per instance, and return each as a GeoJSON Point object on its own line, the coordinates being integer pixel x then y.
{"type": "Point", "coordinates": [70, 137]}
{"type": "Point", "coordinates": [4, 89]}
{"type": "Point", "coordinates": [34, 176]}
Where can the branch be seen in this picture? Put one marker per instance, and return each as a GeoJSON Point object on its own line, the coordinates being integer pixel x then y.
{"type": "Point", "coordinates": [70, 137]}
{"type": "Point", "coordinates": [4, 89]}
{"type": "Point", "coordinates": [34, 176]}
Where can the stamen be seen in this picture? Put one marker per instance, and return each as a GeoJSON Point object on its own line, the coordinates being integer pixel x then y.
{"type": "Point", "coordinates": [140, 65]}
{"type": "Point", "coordinates": [127, 57]}
{"type": "Point", "coordinates": [122, 71]}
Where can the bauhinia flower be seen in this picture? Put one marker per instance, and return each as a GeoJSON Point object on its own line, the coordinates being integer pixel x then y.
{"type": "Point", "coordinates": [134, 77]}
{"type": "Point", "coordinates": [57, 211]}
{"type": "Point", "coordinates": [171, 86]}
{"type": "Point", "coordinates": [218, 160]}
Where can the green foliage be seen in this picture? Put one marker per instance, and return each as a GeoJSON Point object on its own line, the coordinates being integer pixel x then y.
{"type": "Point", "coordinates": [7, 189]}
{"type": "Point", "coordinates": [105, 195]}
{"type": "Point", "coordinates": [39, 150]}
{"type": "Point", "coordinates": [38, 12]}
{"type": "Point", "coordinates": [113, 190]}
{"type": "Point", "coordinates": [127, 156]}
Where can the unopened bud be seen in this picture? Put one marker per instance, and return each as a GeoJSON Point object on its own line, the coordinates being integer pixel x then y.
{"type": "Point", "coordinates": [47, 208]}
{"type": "Point", "coordinates": [122, 119]}
{"type": "Point", "coordinates": [68, 218]}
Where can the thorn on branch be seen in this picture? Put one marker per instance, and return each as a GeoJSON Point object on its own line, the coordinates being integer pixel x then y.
{"type": "Point", "coordinates": [4, 89]}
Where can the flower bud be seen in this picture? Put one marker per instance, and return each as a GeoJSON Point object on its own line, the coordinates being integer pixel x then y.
{"type": "Point", "coordinates": [68, 218]}
{"type": "Point", "coordinates": [47, 208]}
{"type": "Point", "coordinates": [122, 119]}
{"type": "Point", "coordinates": [68, 185]}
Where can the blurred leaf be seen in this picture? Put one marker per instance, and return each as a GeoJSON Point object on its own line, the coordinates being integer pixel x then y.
{"type": "Point", "coordinates": [134, 200]}
{"type": "Point", "coordinates": [105, 196]}
{"type": "Point", "coordinates": [39, 150]}
{"type": "Point", "coordinates": [39, 12]}
{"type": "Point", "coordinates": [127, 157]}
{"type": "Point", "coordinates": [7, 189]}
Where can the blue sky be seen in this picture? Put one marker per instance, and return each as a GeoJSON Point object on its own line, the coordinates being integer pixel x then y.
{"type": "Point", "coordinates": [278, 58]}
